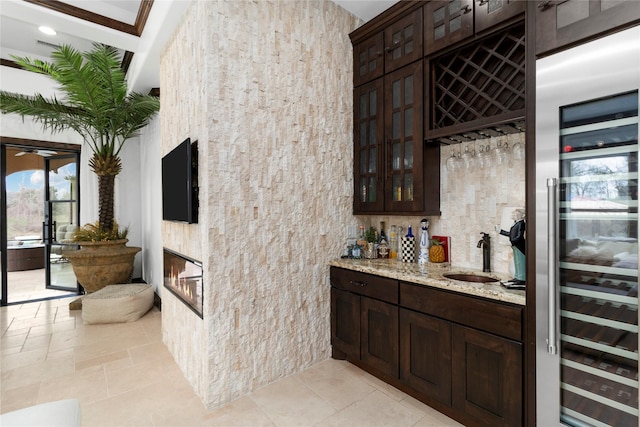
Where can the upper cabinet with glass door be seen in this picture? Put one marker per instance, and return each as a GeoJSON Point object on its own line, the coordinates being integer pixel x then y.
{"type": "Point", "coordinates": [564, 23]}
{"type": "Point", "coordinates": [389, 154]}
{"type": "Point", "coordinates": [393, 169]}
{"type": "Point", "coordinates": [388, 49]}
{"type": "Point", "coordinates": [451, 21]}
{"type": "Point", "coordinates": [447, 22]}
{"type": "Point", "coordinates": [368, 147]}
{"type": "Point", "coordinates": [412, 176]}
{"type": "Point", "coordinates": [368, 59]}
{"type": "Point", "coordinates": [403, 41]}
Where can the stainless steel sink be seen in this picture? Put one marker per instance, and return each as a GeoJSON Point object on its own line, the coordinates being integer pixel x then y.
{"type": "Point", "coordinates": [470, 278]}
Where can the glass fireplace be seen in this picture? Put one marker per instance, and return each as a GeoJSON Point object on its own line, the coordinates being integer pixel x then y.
{"type": "Point", "coordinates": [183, 278]}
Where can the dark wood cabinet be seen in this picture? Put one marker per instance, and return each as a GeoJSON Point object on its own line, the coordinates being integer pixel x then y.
{"type": "Point", "coordinates": [476, 346]}
{"type": "Point", "coordinates": [459, 353]}
{"type": "Point", "coordinates": [561, 24]}
{"type": "Point", "coordinates": [345, 324]}
{"type": "Point", "coordinates": [446, 23]}
{"type": "Point", "coordinates": [451, 21]}
{"type": "Point", "coordinates": [491, 13]}
{"type": "Point", "coordinates": [379, 335]}
{"type": "Point", "coordinates": [491, 316]}
{"type": "Point", "coordinates": [368, 59]}
{"type": "Point", "coordinates": [404, 145]}
{"type": "Point", "coordinates": [368, 147]}
{"type": "Point", "coordinates": [487, 377]}
{"type": "Point", "coordinates": [474, 69]}
{"type": "Point", "coordinates": [394, 46]}
{"type": "Point", "coordinates": [425, 354]}
{"type": "Point", "coordinates": [364, 320]}
{"type": "Point", "coordinates": [403, 41]}
{"type": "Point", "coordinates": [394, 172]}
{"type": "Point", "coordinates": [478, 89]}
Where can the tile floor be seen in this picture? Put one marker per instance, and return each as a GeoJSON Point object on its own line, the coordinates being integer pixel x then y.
{"type": "Point", "coordinates": [29, 284]}
{"type": "Point", "coordinates": [125, 376]}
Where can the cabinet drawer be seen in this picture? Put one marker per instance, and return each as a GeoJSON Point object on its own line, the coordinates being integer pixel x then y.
{"type": "Point", "coordinates": [494, 317]}
{"type": "Point", "coordinates": [382, 288]}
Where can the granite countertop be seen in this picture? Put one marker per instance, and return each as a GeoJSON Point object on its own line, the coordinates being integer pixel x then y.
{"type": "Point", "coordinates": [432, 275]}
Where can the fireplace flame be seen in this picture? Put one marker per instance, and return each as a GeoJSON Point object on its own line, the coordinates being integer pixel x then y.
{"type": "Point", "coordinates": [183, 277]}
{"type": "Point", "coordinates": [183, 285]}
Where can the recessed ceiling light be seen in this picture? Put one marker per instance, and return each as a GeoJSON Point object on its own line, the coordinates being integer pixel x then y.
{"type": "Point", "coordinates": [47, 30]}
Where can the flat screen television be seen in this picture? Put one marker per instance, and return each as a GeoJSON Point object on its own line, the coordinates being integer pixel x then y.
{"type": "Point", "coordinates": [180, 183]}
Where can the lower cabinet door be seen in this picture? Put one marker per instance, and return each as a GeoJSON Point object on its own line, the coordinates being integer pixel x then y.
{"type": "Point", "coordinates": [345, 323]}
{"type": "Point", "coordinates": [379, 335]}
{"type": "Point", "coordinates": [487, 377]}
{"type": "Point", "coordinates": [425, 354]}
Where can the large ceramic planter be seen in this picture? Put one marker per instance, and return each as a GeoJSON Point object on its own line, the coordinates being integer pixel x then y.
{"type": "Point", "coordinates": [98, 264]}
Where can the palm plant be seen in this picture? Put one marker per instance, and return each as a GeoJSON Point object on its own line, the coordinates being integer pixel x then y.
{"type": "Point", "coordinates": [95, 103]}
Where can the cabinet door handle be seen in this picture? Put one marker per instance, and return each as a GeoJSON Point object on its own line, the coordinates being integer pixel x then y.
{"type": "Point", "coordinates": [357, 283]}
{"type": "Point", "coordinates": [482, 2]}
{"type": "Point", "coordinates": [545, 5]}
{"type": "Point", "coordinates": [552, 264]}
{"type": "Point", "coordinates": [387, 166]}
{"type": "Point", "coordinates": [466, 9]}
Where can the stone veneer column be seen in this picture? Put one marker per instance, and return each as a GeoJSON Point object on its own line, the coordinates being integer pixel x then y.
{"type": "Point", "coordinates": [265, 87]}
{"type": "Point", "coordinates": [183, 113]}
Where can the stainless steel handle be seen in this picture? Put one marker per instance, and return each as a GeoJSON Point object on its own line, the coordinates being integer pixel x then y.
{"type": "Point", "coordinates": [357, 283]}
{"type": "Point", "coordinates": [552, 265]}
{"type": "Point", "coordinates": [544, 5]}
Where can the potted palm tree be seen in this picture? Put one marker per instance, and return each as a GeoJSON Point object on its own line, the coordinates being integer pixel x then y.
{"type": "Point", "coordinates": [95, 103]}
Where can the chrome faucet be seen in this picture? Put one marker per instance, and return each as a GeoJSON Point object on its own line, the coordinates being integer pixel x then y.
{"type": "Point", "coordinates": [485, 244]}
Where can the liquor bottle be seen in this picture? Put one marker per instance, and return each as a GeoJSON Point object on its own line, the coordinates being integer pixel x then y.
{"type": "Point", "coordinates": [408, 247]}
{"type": "Point", "coordinates": [383, 249]}
{"type": "Point", "coordinates": [393, 242]}
{"type": "Point", "coordinates": [362, 240]}
{"type": "Point", "coordinates": [423, 255]}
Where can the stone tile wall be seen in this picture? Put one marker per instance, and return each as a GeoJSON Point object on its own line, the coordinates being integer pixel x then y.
{"type": "Point", "coordinates": [183, 113]}
{"type": "Point", "coordinates": [265, 86]}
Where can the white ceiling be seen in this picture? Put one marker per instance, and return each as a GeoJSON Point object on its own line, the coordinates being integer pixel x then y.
{"type": "Point", "coordinates": [19, 35]}
{"type": "Point", "coordinates": [366, 9]}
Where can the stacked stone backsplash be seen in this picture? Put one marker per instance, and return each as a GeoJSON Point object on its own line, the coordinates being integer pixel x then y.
{"type": "Point", "coordinates": [472, 201]}
{"type": "Point", "coordinates": [265, 87]}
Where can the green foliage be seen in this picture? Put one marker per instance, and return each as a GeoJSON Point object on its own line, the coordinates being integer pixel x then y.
{"type": "Point", "coordinates": [95, 102]}
{"type": "Point", "coordinates": [370, 235]}
{"type": "Point", "coordinates": [25, 211]}
{"type": "Point", "coordinates": [94, 233]}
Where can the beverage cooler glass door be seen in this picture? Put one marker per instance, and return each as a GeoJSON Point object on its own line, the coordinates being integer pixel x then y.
{"type": "Point", "coordinates": [587, 234]}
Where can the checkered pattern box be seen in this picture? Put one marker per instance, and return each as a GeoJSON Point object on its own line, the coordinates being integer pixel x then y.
{"type": "Point", "coordinates": [408, 249]}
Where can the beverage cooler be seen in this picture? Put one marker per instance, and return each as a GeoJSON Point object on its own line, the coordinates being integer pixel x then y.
{"type": "Point", "coordinates": [587, 233]}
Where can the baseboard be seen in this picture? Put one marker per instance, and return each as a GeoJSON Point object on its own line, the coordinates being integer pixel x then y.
{"type": "Point", "coordinates": [157, 301]}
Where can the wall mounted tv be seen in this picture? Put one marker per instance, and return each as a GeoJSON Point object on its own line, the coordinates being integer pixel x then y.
{"type": "Point", "coordinates": [180, 183]}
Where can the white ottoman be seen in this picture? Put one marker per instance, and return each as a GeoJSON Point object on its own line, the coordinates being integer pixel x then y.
{"type": "Point", "coordinates": [63, 413]}
{"type": "Point", "coordinates": [117, 304]}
